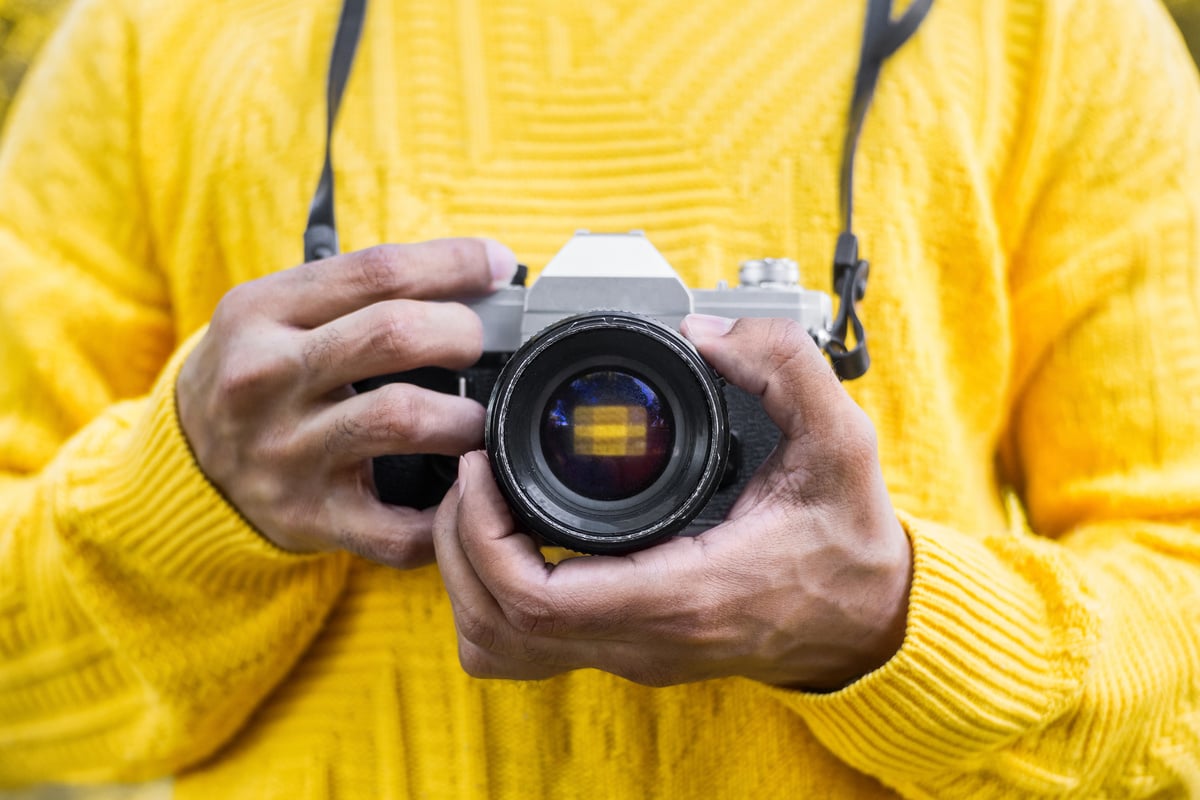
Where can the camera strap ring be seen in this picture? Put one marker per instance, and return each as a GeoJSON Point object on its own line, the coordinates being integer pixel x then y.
{"type": "Point", "coordinates": [882, 37]}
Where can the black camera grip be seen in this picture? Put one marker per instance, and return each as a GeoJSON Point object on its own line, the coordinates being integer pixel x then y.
{"type": "Point", "coordinates": [754, 438]}
{"type": "Point", "coordinates": [422, 480]}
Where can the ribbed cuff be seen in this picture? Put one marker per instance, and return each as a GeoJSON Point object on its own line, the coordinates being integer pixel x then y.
{"type": "Point", "coordinates": [186, 596]}
{"type": "Point", "coordinates": [161, 506]}
{"type": "Point", "coordinates": [997, 642]}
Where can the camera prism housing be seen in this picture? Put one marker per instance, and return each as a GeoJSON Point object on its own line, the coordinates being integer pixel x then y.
{"type": "Point", "coordinates": [606, 430]}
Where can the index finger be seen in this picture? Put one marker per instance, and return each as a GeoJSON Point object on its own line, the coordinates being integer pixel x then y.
{"type": "Point", "coordinates": [321, 291]}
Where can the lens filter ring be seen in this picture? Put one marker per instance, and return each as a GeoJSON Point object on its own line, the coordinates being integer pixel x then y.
{"type": "Point", "coordinates": [607, 432]}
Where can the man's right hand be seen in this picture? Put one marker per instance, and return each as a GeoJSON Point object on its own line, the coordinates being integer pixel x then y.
{"type": "Point", "coordinates": [266, 402]}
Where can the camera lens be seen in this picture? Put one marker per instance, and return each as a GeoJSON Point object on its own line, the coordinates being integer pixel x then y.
{"type": "Point", "coordinates": [607, 432]}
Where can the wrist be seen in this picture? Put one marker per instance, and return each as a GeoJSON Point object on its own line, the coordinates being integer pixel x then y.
{"type": "Point", "coordinates": [871, 620]}
{"type": "Point", "coordinates": [890, 609]}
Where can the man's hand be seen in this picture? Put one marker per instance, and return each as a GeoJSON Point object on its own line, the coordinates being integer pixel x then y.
{"type": "Point", "coordinates": [806, 584]}
{"type": "Point", "coordinates": [266, 401]}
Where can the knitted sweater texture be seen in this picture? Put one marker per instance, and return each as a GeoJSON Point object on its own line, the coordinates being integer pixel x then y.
{"type": "Point", "coordinates": [1028, 194]}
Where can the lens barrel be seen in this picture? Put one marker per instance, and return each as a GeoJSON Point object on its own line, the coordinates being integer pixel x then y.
{"type": "Point", "coordinates": [607, 432]}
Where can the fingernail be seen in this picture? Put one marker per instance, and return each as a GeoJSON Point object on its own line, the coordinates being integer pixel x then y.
{"type": "Point", "coordinates": [704, 326]}
{"type": "Point", "coordinates": [462, 477]}
{"type": "Point", "coordinates": [502, 262]}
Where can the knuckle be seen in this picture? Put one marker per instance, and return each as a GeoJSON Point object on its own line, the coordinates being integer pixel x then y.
{"type": "Point", "coordinates": [252, 357]}
{"type": "Point", "coordinates": [477, 628]}
{"type": "Point", "coordinates": [778, 344]}
{"type": "Point", "coordinates": [400, 411]}
{"type": "Point", "coordinates": [247, 380]}
{"type": "Point", "coordinates": [784, 337]}
{"type": "Point", "coordinates": [392, 335]}
{"type": "Point", "coordinates": [235, 305]}
{"type": "Point", "coordinates": [378, 270]}
{"type": "Point", "coordinates": [479, 663]}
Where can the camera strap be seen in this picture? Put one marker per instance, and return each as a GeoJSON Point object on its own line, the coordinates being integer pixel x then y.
{"type": "Point", "coordinates": [882, 37]}
{"type": "Point", "coordinates": [320, 235]}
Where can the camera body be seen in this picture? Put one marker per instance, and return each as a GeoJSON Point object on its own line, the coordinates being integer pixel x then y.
{"type": "Point", "coordinates": [606, 431]}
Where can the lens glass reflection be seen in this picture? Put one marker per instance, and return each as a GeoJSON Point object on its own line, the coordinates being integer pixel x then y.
{"type": "Point", "coordinates": [607, 434]}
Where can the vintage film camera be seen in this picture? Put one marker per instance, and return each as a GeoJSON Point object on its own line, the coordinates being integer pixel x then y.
{"type": "Point", "coordinates": [606, 430]}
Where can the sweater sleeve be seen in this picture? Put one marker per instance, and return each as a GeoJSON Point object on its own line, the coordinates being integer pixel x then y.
{"type": "Point", "coordinates": [1061, 658]}
{"type": "Point", "coordinates": [141, 619]}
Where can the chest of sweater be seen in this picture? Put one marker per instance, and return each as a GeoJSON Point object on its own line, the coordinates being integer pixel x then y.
{"type": "Point", "coordinates": [716, 131]}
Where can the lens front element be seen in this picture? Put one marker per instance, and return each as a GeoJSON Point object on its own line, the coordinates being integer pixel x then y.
{"type": "Point", "coordinates": [607, 434]}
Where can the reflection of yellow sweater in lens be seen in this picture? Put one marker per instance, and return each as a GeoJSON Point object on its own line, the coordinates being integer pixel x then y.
{"type": "Point", "coordinates": [1027, 193]}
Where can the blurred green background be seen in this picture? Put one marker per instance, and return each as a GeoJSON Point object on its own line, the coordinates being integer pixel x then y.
{"type": "Point", "coordinates": [1187, 14]}
{"type": "Point", "coordinates": [25, 23]}
{"type": "Point", "coordinates": [23, 26]}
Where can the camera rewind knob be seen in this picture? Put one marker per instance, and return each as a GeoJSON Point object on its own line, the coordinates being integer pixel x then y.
{"type": "Point", "coordinates": [769, 272]}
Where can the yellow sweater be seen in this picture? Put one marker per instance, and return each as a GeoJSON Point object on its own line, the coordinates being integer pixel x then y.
{"type": "Point", "coordinates": [1028, 194]}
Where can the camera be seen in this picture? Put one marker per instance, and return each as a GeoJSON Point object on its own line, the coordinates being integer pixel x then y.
{"type": "Point", "coordinates": [606, 430]}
